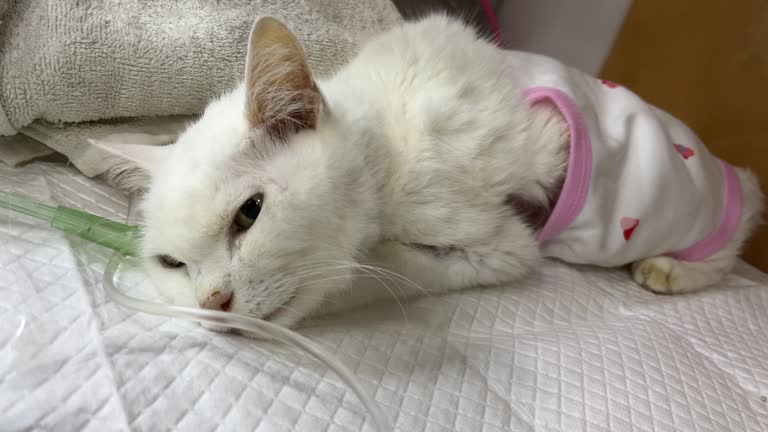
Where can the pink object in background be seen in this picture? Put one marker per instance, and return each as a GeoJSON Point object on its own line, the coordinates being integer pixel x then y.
{"type": "Point", "coordinates": [493, 22]}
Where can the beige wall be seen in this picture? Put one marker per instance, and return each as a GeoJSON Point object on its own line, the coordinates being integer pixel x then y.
{"type": "Point", "coordinates": [706, 62]}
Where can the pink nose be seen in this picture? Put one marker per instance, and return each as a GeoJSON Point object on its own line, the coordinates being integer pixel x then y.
{"type": "Point", "coordinates": [217, 300]}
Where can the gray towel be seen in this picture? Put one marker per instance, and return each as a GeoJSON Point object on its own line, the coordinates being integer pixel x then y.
{"type": "Point", "coordinates": [65, 61]}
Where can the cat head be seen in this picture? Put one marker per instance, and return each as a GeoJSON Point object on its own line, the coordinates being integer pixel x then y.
{"type": "Point", "coordinates": [260, 206]}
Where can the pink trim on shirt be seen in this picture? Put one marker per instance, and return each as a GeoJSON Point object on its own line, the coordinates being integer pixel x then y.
{"type": "Point", "coordinates": [577, 177]}
{"type": "Point", "coordinates": [730, 216]}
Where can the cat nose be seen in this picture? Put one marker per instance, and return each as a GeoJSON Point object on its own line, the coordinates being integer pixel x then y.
{"type": "Point", "coordinates": [217, 300]}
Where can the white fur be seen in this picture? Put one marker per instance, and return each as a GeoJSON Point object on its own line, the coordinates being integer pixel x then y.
{"type": "Point", "coordinates": [423, 138]}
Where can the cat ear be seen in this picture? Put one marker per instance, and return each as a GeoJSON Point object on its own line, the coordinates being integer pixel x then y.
{"type": "Point", "coordinates": [131, 166]}
{"type": "Point", "coordinates": [281, 96]}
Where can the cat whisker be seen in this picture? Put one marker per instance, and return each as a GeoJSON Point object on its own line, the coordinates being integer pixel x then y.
{"type": "Point", "coordinates": [387, 272]}
{"type": "Point", "coordinates": [330, 301]}
{"type": "Point", "coordinates": [382, 271]}
{"type": "Point", "coordinates": [305, 273]}
{"type": "Point", "coordinates": [398, 275]}
{"type": "Point", "coordinates": [318, 281]}
{"type": "Point", "coordinates": [368, 274]}
{"type": "Point", "coordinates": [402, 308]}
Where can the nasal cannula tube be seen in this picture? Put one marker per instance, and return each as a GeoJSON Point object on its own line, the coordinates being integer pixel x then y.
{"type": "Point", "coordinates": [114, 235]}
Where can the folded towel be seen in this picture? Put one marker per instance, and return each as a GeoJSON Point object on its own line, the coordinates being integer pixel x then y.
{"type": "Point", "coordinates": [64, 61]}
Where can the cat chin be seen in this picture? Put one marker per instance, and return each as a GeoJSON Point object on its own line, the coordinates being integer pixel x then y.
{"type": "Point", "coordinates": [293, 311]}
{"type": "Point", "coordinates": [282, 317]}
{"type": "Point", "coordinates": [218, 328]}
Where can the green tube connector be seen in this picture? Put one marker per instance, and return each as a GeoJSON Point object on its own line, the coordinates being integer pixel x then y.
{"type": "Point", "coordinates": [119, 237]}
{"type": "Point", "coordinates": [114, 235]}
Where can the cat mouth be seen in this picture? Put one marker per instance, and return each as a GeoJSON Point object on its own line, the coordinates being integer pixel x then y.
{"type": "Point", "coordinates": [280, 308]}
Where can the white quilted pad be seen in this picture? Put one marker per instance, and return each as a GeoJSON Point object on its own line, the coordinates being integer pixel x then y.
{"type": "Point", "coordinates": [568, 349]}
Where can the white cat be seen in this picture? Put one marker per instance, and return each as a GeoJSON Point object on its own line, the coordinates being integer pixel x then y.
{"type": "Point", "coordinates": [421, 157]}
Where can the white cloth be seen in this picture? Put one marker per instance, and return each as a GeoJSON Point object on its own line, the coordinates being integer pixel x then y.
{"type": "Point", "coordinates": [574, 349]}
{"type": "Point", "coordinates": [639, 182]}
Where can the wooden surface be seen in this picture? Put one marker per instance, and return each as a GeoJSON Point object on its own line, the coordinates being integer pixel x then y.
{"type": "Point", "coordinates": [706, 62]}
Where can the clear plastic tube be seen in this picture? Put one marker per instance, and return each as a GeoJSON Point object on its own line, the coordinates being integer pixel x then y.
{"type": "Point", "coordinates": [114, 235]}
{"type": "Point", "coordinates": [24, 205]}
{"type": "Point", "coordinates": [264, 328]}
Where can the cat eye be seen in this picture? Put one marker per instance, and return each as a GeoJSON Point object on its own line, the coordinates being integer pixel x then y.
{"type": "Point", "coordinates": [168, 261]}
{"type": "Point", "coordinates": [248, 212]}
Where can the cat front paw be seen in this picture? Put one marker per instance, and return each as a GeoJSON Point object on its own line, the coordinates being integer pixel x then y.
{"type": "Point", "coordinates": [658, 274]}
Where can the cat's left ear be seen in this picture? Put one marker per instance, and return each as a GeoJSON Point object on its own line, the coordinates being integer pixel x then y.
{"type": "Point", "coordinates": [131, 166]}
{"type": "Point", "coordinates": [281, 96]}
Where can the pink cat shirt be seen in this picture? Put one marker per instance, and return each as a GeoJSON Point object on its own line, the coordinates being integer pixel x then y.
{"type": "Point", "coordinates": [639, 183]}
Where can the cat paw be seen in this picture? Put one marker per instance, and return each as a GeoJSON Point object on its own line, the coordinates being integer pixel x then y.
{"type": "Point", "coordinates": [658, 274]}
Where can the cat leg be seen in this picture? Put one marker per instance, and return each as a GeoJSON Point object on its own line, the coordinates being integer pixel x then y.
{"type": "Point", "coordinates": [666, 275]}
{"type": "Point", "coordinates": [398, 270]}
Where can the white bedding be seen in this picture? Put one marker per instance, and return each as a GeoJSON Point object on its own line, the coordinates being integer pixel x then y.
{"type": "Point", "coordinates": [568, 349]}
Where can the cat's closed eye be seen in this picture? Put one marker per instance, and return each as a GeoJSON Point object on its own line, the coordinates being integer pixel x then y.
{"type": "Point", "coordinates": [168, 261]}
{"type": "Point", "coordinates": [248, 212]}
